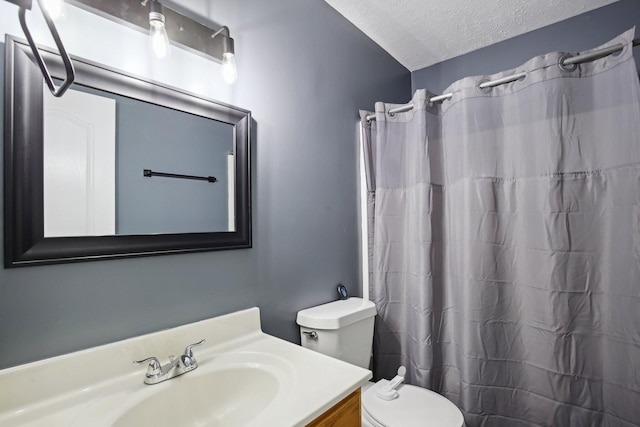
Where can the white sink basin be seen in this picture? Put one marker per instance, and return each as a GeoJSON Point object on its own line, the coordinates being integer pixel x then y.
{"type": "Point", "coordinates": [203, 401]}
{"type": "Point", "coordinates": [226, 390]}
{"type": "Point", "coordinates": [245, 378]}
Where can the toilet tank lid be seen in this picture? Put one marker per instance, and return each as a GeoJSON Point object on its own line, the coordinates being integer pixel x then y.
{"type": "Point", "coordinates": [336, 314]}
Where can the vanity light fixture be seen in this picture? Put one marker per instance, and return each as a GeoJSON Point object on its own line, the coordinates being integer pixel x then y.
{"type": "Point", "coordinates": [157, 32]}
{"type": "Point", "coordinates": [229, 70]}
{"type": "Point", "coordinates": [181, 31]}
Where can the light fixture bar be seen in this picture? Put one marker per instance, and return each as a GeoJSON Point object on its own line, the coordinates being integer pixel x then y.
{"type": "Point", "coordinates": [23, 6]}
{"type": "Point", "coordinates": [183, 32]}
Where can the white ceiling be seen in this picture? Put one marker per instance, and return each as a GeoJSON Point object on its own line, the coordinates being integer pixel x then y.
{"type": "Point", "coordinates": [419, 33]}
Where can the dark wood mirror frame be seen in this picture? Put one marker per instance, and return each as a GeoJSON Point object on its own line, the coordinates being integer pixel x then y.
{"type": "Point", "coordinates": [25, 244]}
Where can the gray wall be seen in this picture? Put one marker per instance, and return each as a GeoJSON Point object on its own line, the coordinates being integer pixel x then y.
{"type": "Point", "coordinates": [303, 72]}
{"type": "Point", "coordinates": [582, 32]}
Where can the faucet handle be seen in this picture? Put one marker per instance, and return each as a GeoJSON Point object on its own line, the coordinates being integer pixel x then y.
{"type": "Point", "coordinates": [188, 352]}
{"type": "Point", "coordinates": [188, 361]}
{"type": "Point", "coordinates": [154, 367]}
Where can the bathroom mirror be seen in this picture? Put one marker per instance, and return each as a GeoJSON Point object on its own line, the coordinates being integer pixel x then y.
{"type": "Point", "coordinates": [120, 166]}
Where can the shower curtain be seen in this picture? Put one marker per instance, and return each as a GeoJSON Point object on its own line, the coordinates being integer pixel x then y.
{"type": "Point", "coordinates": [505, 243]}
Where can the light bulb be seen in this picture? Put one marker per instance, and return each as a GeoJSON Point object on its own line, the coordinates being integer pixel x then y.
{"type": "Point", "coordinates": [158, 38]}
{"type": "Point", "coordinates": [229, 71]}
{"type": "Point", "coordinates": [55, 8]}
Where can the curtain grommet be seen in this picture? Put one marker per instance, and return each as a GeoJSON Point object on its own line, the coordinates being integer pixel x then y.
{"type": "Point", "coordinates": [484, 90]}
{"type": "Point", "coordinates": [569, 68]}
{"type": "Point", "coordinates": [523, 78]}
{"type": "Point", "coordinates": [428, 102]}
{"type": "Point", "coordinates": [618, 54]}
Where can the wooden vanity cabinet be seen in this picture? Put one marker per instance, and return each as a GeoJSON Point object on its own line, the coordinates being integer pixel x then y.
{"type": "Point", "coordinates": [346, 413]}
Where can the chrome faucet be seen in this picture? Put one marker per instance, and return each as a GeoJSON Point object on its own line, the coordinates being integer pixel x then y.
{"type": "Point", "coordinates": [157, 373]}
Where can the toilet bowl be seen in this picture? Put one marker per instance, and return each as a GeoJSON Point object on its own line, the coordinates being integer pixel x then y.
{"type": "Point", "coordinates": [414, 407]}
{"type": "Point", "coordinates": [344, 330]}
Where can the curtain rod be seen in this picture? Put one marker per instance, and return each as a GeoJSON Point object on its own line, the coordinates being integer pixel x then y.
{"type": "Point", "coordinates": [567, 62]}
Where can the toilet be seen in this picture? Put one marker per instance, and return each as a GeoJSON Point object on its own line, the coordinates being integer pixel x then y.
{"type": "Point", "coordinates": [344, 329]}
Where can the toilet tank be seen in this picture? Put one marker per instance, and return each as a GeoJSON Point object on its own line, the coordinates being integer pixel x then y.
{"type": "Point", "coordinates": [342, 329]}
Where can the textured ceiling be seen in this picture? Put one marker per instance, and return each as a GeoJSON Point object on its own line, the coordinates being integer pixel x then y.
{"type": "Point", "coordinates": [419, 33]}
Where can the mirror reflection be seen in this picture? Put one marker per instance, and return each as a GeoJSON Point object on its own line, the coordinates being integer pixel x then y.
{"type": "Point", "coordinates": [96, 148]}
{"type": "Point", "coordinates": [119, 167]}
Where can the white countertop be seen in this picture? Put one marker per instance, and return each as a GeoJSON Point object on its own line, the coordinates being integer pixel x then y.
{"type": "Point", "coordinates": [61, 391]}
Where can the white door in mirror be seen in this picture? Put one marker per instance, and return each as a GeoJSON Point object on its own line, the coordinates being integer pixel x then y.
{"type": "Point", "coordinates": [79, 165]}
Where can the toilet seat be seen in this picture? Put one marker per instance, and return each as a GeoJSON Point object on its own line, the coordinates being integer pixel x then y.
{"type": "Point", "coordinates": [415, 407]}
